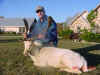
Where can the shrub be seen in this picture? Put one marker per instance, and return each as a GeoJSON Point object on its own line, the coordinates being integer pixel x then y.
{"type": "Point", "coordinates": [97, 38]}
{"type": "Point", "coordinates": [90, 37]}
{"type": "Point", "coordinates": [10, 34]}
{"type": "Point", "coordinates": [65, 34]}
{"type": "Point", "coordinates": [13, 32]}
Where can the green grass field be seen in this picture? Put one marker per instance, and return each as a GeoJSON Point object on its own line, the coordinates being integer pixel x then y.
{"type": "Point", "coordinates": [13, 62]}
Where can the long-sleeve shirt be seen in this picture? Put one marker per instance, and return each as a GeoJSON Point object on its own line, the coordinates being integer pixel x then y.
{"type": "Point", "coordinates": [50, 33]}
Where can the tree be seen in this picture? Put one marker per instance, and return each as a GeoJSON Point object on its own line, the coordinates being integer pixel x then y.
{"type": "Point", "coordinates": [92, 15]}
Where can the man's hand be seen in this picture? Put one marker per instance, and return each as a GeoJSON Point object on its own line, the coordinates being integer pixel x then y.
{"type": "Point", "coordinates": [40, 36]}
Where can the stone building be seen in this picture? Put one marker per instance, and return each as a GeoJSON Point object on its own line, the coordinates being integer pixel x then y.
{"type": "Point", "coordinates": [79, 22]}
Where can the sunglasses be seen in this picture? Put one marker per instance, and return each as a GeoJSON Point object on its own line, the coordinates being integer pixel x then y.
{"type": "Point", "coordinates": [39, 11]}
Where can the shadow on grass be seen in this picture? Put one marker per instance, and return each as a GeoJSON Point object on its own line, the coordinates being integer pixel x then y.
{"type": "Point", "coordinates": [1, 71]}
{"type": "Point", "coordinates": [92, 59]}
{"type": "Point", "coordinates": [10, 40]}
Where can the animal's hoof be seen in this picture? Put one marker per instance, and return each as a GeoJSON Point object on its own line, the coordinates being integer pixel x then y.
{"type": "Point", "coordinates": [91, 68]}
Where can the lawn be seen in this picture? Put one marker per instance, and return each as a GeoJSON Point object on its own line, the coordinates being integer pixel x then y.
{"type": "Point", "coordinates": [13, 62]}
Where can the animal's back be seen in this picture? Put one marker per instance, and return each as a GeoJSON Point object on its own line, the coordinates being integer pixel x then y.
{"type": "Point", "coordinates": [53, 55]}
{"type": "Point", "coordinates": [50, 56]}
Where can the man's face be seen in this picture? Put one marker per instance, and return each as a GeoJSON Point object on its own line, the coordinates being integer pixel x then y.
{"type": "Point", "coordinates": [40, 13]}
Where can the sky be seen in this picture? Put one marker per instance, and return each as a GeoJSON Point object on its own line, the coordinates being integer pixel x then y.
{"type": "Point", "coordinates": [60, 10]}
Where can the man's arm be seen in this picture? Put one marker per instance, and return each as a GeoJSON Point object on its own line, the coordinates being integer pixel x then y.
{"type": "Point", "coordinates": [52, 33]}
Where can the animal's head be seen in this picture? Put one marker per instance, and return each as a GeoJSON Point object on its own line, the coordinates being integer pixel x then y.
{"type": "Point", "coordinates": [28, 41]}
{"type": "Point", "coordinates": [28, 44]}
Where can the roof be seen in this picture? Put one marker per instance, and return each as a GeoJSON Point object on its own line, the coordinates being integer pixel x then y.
{"type": "Point", "coordinates": [18, 22]}
{"type": "Point", "coordinates": [78, 15]}
{"type": "Point", "coordinates": [73, 19]}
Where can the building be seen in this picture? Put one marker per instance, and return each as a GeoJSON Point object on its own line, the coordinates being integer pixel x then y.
{"type": "Point", "coordinates": [79, 22]}
{"type": "Point", "coordinates": [97, 19]}
{"type": "Point", "coordinates": [13, 24]}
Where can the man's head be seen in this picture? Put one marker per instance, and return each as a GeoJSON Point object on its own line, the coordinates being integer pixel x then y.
{"type": "Point", "coordinates": [40, 11]}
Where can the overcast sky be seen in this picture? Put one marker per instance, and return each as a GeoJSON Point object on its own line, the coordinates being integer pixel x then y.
{"type": "Point", "coordinates": [58, 9]}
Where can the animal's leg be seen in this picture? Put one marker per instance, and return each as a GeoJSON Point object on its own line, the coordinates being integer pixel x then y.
{"type": "Point", "coordinates": [67, 68]}
{"type": "Point", "coordinates": [84, 67]}
{"type": "Point", "coordinates": [73, 70]}
{"type": "Point", "coordinates": [32, 57]}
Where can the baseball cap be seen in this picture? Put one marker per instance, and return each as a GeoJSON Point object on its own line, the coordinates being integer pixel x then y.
{"type": "Point", "coordinates": [40, 8]}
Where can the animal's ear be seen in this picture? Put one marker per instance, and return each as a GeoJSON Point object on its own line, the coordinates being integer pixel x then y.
{"type": "Point", "coordinates": [32, 25]}
{"type": "Point", "coordinates": [26, 25]}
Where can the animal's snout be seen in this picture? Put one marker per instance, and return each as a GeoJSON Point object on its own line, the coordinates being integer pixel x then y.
{"type": "Point", "coordinates": [26, 52]}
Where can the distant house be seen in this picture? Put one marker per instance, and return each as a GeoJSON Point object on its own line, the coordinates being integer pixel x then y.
{"type": "Point", "coordinates": [97, 19]}
{"type": "Point", "coordinates": [13, 24]}
{"type": "Point", "coordinates": [79, 22]}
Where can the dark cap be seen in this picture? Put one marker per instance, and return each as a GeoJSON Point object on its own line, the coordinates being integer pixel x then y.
{"type": "Point", "coordinates": [40, 8]}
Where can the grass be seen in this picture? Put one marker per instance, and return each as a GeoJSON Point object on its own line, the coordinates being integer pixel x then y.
{"type": "Point", "coordinates": [13, 62]}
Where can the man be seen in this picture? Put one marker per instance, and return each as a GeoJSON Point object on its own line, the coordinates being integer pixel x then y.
{"type": "Point", "coordinates": [43, 31]}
